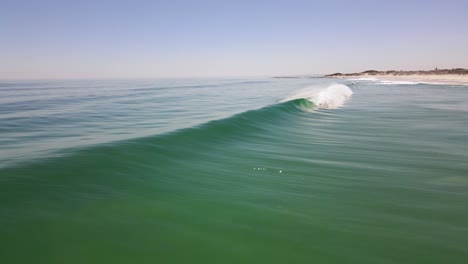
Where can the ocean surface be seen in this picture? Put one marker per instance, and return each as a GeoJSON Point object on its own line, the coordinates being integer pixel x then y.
{"type": "Point", "coordinates": [233, 171]}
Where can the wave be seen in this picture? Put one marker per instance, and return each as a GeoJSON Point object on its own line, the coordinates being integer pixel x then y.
{"type": "Point", "coordinates": [249, 124]}
{"type": "Point", "coordinates": [382, 82]}
{"type": "Point", "coordinates": [272, 117]}
{"type": "Point", "coordinates": [302, 102]}
{"type": "Point", "coordinates": [373, 81]}
{"type": "Point", "coordinates": [385, 82]}
{"type": "Point", "coordinates": [332, 97]}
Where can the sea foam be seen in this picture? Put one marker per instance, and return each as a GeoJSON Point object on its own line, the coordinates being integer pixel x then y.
{"type": "Point", "coordinates": [331, 97]}
{"type": "Point", "coordinates": [385, 82]}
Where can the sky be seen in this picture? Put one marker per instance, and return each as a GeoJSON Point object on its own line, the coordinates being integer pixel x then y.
{"type": "Point", "coordinates": [61, 39]}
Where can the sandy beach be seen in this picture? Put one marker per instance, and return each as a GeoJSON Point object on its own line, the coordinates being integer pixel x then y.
{"type": "Point", "coordinates": [453, 79]}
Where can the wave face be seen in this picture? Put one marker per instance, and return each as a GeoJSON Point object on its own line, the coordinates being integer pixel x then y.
{"type": "Point", "coordinates": [225, 173]}
{"type": "Point", "coordinates": [45, 119]}
{"type": "Point", "coordinates": [332, 97]}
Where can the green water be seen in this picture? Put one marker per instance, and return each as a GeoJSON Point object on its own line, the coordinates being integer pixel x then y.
{"type": "Point", "coordinates": [223, 172]}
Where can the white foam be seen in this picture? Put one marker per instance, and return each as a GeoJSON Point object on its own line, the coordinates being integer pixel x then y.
{"type": "Point", "coordinates": [397, 82]}
{"type": "Point", "coordinates": [332, 97]}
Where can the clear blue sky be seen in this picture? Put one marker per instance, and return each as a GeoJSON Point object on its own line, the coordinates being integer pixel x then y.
{"type": "Point", "coordinates": [153, 39]}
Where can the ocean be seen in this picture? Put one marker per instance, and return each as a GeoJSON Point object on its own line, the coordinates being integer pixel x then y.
{"type": "Point", "coordinates": [263, 170]}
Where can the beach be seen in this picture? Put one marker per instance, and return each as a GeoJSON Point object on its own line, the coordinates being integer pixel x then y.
{"type": "Point", "coordinates": [448, 79]}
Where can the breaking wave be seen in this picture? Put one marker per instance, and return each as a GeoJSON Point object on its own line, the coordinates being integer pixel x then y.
{"type": "Point", "coordinates": [332, 97]}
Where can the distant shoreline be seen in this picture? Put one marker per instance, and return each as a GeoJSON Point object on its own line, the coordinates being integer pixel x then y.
{"type": "Point", "coordinates": [457, 76]}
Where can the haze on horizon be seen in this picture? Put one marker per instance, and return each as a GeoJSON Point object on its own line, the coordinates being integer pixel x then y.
{"type": "Point", "coordinates": [164, 39]}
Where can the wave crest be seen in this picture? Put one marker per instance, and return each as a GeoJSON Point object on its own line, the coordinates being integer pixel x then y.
{"type": "Point", "coordinates": [332, 97]}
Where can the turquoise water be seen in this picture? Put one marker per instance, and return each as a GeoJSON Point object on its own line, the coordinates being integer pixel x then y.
{"type": "Point", "coordinates": [233, 171]}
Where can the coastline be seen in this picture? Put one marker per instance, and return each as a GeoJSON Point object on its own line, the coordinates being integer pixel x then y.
{"type": "Point", "coordinates": [449, 79]}
{"type": "Point", "coordinates": [457, 76]}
